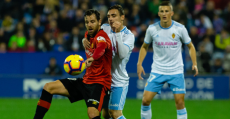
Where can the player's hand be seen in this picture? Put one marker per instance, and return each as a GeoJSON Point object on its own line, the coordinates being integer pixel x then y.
{"type": "Point", "coordinates": [116, 25]}
{"type": "Point", "coordinates": [194, 67]}
{"type": "Point", "coordinates": [86, 43]}
{"type": "Point", "coordinates": [140, 70]}
{"type": "Point", "coordinates": [89, 61]}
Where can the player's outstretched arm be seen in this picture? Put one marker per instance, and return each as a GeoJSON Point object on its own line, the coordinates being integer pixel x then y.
{"type": "Point", "coordinates": [192, 53]}
{"type": "Point", "coordinates": [142, 54]}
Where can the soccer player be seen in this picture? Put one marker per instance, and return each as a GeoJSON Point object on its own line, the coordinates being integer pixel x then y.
{"type": "Point", "coordinates": [96, 82]}
{"type": "Point", "coordinates": [167, 37]}
{"type": "Point", "coordinates": [123, 42]}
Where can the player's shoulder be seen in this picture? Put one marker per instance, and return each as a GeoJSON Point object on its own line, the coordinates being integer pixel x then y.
{"type": "Point", "coordinates": [177, 24]}
{"type": "Point", "coordinates": [126, 31]}
{"type": "Point", "coordinates": [105, 27]}
{"type": "Point", "coordinates": [102, 33]}
{"type": "Point", "coordinates": [154, 26]}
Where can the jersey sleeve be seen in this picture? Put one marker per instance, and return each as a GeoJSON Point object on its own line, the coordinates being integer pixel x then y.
{"type": "Point", "coordinates": [86, 33]}
{"type": "Point", "coordinates": [100, 47]}
{"type": "Point", "coordinates": [185, 37]}
{"type": "Point", "coordinates": [129, 41]}
{"type": "Point", "coordinates": [148, 37]}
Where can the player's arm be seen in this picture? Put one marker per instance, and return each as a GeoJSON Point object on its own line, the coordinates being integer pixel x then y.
{"type": "Point", "coordinates": [123, 49]}
{"type": "Point", "coordinates": [98, 52]}
{"type": "Point", "coordinates": [142, 54]}
{"type": "Point", "coordinates": [192, 53]}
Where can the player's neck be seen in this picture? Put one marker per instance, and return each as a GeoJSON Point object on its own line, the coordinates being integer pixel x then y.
{"type": "Point", "coordinates": [166, 24]}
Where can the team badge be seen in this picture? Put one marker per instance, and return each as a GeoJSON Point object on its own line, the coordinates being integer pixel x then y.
{"type": "Point", "coordinates": [173, 35]}
{"type": "Point", "coordinates": [101, 39]}
{"type": "Point", "coordinates": [92, 45]}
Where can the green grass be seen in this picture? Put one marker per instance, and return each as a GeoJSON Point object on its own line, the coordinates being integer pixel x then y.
{"type": "Point", "coordinates": [11, 108]}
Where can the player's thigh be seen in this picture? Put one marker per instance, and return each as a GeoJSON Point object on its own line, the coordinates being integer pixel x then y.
{"type": "Point", "coordinates": [105, 113]}
{"type": "Point", "coordinates": [56, 87]}
{"type": "Point", "coordinates": [147, 97]}
{"type": "Point", "coordinates": [94, 95]}
{"type": "Point", "coordinates": [117, 98]}
{"type": "Point", "coordinates": [177, 83]}
{"type": "Point", "coordinates": [155, 82]}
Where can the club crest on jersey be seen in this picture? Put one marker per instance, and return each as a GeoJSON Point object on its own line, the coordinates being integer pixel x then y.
{"type": "Point", "coordinates": [173, 35]}
{"type": "Point", "coordinates": [101, 39]}
{"type": "Point", "coordinates": [92, 45]}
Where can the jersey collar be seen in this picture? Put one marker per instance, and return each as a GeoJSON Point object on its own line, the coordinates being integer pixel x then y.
{"type": "Point", "coordinates": [121, 30]}
{"type": "Point", "coordinates": [168, 27]}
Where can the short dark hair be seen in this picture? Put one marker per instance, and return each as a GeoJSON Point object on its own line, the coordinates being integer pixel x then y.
{"type": "Point", "coordinates": [92, 11]}
{"type": "Point", "coordinates": [166, 3]}
{"type": "Point", "coordinates": [119, 8]}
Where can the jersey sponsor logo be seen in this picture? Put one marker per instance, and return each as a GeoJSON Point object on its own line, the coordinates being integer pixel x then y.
{"type": "Point", "coordinates": [114, 105]}
{"type": "Point", "coordinates": [173, 35]}
{"type": "Point", "coordinates": [165, 43]}
{"type": "Point", "coordinates": [88, 52]}
{"type": "Point", "coordinates": [101, 39]}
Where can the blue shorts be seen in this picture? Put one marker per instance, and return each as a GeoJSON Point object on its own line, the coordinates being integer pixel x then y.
{"type": "Point", "coordinates": [175, 82]}
{"type": "Point", "coordinates": [116, 101]}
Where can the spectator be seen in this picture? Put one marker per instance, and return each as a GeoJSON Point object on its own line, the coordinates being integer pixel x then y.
{"type": "Point", "coordinates": [217, 68]}
{"type": "Point", "coordinates": [194, 36]}
{"type": "Point", "coordinates": [14, 48]}
{"type": "Point", "coordinates": [226, 61]}
{"type": "Point", "coordinates": [30, 46]}
{"type": "Point", "coordinates": [53, 69]}
{"type": "Point", "coordinates": [153, 7]}
{"type": "Point", "coordinates": [2, 47]}
{"type": "Point", "coordinates": [75, 41]}
{"type": "Point", "coordinates": [209, 10]}
{"type": "Point", "coordinates": [204, 57]}
{"type": "Point", "coordinates": [222, 40]}
{"type": "Point", "coordinates": [19, 39]}
{"type": "Point", "coordinates": [218, 23]}
{"type": "Point", "coordinates": [207, 44]}
{"type": "Point", "coordinates": [59, 45]}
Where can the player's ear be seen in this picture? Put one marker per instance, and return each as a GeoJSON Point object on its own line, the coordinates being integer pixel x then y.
{"type": "Point", "coordinates": [122, 17]}
{"type": "Point", "coordinates": [172, 13]}
{"type": "Point", "coordinates": [99, 22]}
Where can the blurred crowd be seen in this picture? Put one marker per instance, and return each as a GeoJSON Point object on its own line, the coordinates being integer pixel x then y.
{"type": "Point", "coordinates": [58, 26]}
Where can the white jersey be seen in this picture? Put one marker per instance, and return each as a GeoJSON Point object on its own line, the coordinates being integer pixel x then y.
{"type": "Point", "coordinates": [167, 43]}
{"type": "Point", "coordinates": [120, 76]}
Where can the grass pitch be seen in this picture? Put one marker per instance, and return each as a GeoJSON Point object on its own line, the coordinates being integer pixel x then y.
{"type": "Point", "coordinates": [12, 108]}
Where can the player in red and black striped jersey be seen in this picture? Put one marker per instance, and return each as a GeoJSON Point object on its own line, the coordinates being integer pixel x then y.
{"type": "Point", "coordinates": [95, 84]}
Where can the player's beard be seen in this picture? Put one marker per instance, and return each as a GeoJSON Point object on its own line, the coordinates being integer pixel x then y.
{"type": "Point", "coordinates": [94, 31]}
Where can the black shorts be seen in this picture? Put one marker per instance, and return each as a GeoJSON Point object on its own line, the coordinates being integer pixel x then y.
{"type": "Point", "coordinates": [93, 94]}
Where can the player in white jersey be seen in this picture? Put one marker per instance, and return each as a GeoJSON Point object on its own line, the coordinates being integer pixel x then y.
{"type": "Point", "coordinates": [122, 40]}
{"type": "Point", "coordinates": [167, 37]}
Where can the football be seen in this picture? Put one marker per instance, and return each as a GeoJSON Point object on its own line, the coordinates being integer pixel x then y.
{"type": "Point", "coordinates": [74, 64]}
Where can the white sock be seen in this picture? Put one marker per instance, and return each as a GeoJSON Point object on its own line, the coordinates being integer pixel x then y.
{"type": "Point", "coordinates": [182, 114]}
{"type": "Point", "coordinates": [146, 112]}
